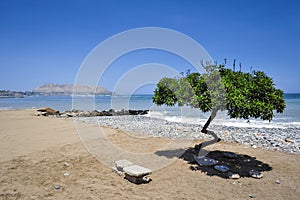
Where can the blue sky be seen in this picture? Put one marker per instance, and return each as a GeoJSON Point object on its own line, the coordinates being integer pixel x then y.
{"type": "Point", "coordinates": [45, 41]}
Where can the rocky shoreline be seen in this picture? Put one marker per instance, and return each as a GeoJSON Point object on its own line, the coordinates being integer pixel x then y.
{"type": "Point", "coordinates": [276, 139]}
{"type": "Point", "coordinates": [82, 113]}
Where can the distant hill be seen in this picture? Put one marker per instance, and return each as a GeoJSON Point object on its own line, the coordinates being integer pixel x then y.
{"type": "Point", "coordinates": [68, 89]}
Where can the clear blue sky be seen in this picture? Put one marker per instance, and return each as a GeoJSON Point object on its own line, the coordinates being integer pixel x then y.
{"type": "Point", "coordinates": [45, 41]}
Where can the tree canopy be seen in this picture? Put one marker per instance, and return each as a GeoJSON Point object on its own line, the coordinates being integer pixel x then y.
{"type": "Point", "coordinates": [243, 95]}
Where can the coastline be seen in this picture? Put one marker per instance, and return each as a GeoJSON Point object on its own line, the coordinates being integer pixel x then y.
{"type": "Point", "coordinates": [37, 151]}
{"type": "Point", "coordinates": [276, 139]}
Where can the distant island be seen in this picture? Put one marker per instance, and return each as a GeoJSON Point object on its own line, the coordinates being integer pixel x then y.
{"type": "Point", "coordinates": [56, 89]}
{"type": "Point", "coordinates": [68, 89]}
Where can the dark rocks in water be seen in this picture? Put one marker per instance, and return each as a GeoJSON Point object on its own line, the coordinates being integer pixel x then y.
{"type": "Point", "coordinates": [138, 112]}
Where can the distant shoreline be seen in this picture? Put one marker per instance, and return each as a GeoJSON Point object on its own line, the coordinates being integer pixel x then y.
{"type": "Point", "coordinates": [9, 97]}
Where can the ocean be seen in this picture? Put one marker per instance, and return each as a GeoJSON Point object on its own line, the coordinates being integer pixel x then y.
{"type": "Point", "coordinates": [290, 117]}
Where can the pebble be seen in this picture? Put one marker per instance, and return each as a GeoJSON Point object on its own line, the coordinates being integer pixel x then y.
{"type": "Point", "coordinates": [255, 174]}
{"type": "Point", "coordinates": [276, 139]}
{"type": "Point", "coordinates": [288, 140]}
{"type": "Point", "coordinates": [277, 181]}
{"type": "Point", "coordinates": [66, 174]}
{"type": "Point", "coordinates": [251, 195]}
{"type": "Point", "coordinates": [57, 187]}
{"type": "Point", "coordinates": [234, 176]}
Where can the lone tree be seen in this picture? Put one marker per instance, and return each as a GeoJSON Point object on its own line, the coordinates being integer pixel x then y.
{"type": "Point", "coordinates": [243, 95]}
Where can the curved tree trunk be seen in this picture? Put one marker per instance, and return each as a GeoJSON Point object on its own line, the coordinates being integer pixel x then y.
{"type": "Point", "coordinates": [204, 130]}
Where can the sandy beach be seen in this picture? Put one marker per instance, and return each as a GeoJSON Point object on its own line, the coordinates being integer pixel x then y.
{"type": "Point", "coordinates": [38, 153]}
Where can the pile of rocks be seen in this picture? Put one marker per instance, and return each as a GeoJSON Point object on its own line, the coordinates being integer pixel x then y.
{"type": "Point", "coordinates": [111, 112]}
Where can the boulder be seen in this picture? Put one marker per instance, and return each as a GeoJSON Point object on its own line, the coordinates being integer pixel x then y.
{"type": "Point", "coordinates": [137, 174]}
{"type": "Point", "coordinates": [48, 111]}
{"type": "Point", "coordinates": [95, 113]}
{"type": "Point", "coordinates": [119, 166]}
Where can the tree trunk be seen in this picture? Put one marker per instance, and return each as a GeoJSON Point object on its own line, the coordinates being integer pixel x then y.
{"type": "Point", "coordinates": [211, 117]}
{"type": "Point", "coordinates": [204, 130]}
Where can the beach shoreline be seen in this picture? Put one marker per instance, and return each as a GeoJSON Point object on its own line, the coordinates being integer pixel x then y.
{"type": "Point", "coordinates": [276, 139]}
{"type": "Point", "coordinates": [37, 152]}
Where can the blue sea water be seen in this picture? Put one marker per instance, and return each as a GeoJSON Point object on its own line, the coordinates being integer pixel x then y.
{"type": "Point", "coordinates": [290, 117]}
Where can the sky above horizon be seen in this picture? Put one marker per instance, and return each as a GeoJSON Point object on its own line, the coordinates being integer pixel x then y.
{"type": "Point", "coordinates": [47, 41]}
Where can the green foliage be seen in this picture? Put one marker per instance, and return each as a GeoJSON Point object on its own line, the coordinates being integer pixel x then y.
{"type": "Point", "coordinates": [243, 95]}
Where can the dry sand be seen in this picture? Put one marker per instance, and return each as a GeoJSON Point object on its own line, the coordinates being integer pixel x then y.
{"type": "Point", "coordinates": [35, 152]}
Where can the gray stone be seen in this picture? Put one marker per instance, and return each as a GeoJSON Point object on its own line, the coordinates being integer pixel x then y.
{"type": "Point", "coordinates": [221, 168]}
{"type": "Point", "coordinates": [57, 187]}
{"type": "Point", "coordinates": [120, 164]}
{"type": "Point", "coordinates": [205, 161]}
{"type": "Point", "coordinates": [136, 170]}
{"type": "Point", "coordinates": [137, 174]}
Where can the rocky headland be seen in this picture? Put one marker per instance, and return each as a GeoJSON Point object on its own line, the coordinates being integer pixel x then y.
{"type": "Point", "coordinates": [70, 89]}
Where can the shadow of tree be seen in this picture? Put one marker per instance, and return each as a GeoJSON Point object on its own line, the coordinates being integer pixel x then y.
{"type": "Point", "coordinates": [241, 164]}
